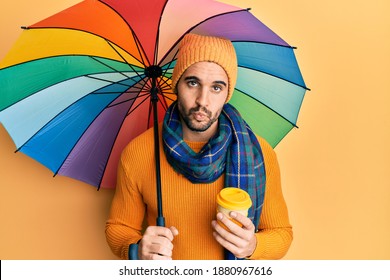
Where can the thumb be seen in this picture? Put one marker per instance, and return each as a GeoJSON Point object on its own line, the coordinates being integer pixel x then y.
{"type": "Point", "coordinates": [174, 230]}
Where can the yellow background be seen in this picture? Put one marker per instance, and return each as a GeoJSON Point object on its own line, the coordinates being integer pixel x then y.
{"type": "Point", "coordinates": [335, 167]}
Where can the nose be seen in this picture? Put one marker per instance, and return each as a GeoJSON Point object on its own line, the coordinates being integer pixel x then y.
{"type": "Point", "coordinates": [202, 98]}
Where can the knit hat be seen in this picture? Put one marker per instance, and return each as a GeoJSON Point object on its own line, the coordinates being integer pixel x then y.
{"type": "Point", "coordinates": [196, 48]}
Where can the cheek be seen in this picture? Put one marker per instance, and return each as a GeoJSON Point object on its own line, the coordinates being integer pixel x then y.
{"type": "Point", "coordinates": [217, 114]}
{"type": "Point", "coordinates": [217, 102]}
{"type": "Point", "coordinates": [182, 104]}
{"type": "Point", "coordinates": [186, 98]}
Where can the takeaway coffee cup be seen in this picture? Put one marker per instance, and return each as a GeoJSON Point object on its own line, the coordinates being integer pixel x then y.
{"type": "Point", "coordinates": [233, 199]}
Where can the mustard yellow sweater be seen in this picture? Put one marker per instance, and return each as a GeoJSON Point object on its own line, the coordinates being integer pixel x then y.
{"type": "Point", "coordinates": [189, 207]}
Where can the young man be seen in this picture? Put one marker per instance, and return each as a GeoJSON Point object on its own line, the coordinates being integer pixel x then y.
{"type": "Point", "coordinates": [205, 146]}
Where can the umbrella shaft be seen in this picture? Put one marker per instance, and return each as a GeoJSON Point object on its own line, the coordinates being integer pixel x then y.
{"type": "Point", "coordinates": [160, 218]}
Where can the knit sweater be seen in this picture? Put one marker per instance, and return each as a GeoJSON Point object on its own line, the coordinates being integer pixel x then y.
{"type": "Point", "coordinates": [187, 206]}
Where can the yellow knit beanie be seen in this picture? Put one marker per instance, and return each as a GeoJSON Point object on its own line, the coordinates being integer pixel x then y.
{"type": "Point", "coordinates": [196, 48]}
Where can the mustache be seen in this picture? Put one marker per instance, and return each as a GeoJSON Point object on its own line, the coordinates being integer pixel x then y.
{"type": "Point", "coordinates": [200, 109]}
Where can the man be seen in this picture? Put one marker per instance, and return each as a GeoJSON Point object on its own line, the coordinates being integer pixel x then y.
{"type": "Point", "coordinates": [205, 147]}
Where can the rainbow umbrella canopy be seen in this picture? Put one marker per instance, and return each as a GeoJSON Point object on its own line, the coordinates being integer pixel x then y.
{"type": "Point", "coordinates": [78, 86]}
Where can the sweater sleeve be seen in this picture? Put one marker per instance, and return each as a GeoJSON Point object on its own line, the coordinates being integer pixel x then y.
{"type": "Point", "coordinates": [274, 234]}
{"type": "Point", "coordinates": [125, 223]}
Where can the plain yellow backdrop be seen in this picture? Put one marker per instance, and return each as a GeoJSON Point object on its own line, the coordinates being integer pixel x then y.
{"type": "Point", "coordinates": [335, 167]}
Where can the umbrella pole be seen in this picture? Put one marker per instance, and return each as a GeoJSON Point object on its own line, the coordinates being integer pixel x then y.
{"type": "Point", "coordinates": [160, 218]}
{"type": "Point", "coordinates": [153, 72]}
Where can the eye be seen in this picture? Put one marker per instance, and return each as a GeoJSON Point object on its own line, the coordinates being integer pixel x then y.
{"type": "Point", "coordinates": [217, 88]}
{"type": "Point", "coordinates": [192, 83]}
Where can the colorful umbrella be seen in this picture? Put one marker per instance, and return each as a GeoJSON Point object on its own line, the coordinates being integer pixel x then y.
{"type": "Point", "coordinates": [78, 86]}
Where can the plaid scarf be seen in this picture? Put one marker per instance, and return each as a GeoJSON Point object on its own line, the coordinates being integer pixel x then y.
{"type": "Point", "coordinates": [233, 150]}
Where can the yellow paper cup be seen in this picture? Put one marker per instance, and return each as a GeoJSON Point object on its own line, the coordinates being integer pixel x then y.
{"type": "Point", "coordinates": [233, 199]}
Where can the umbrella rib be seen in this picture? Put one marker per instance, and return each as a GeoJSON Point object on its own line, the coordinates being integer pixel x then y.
{"type": "Point", "coordinates": [158, 35]}
{"type": "Point", "coordinates": [164, 90]}
{"type": "Point", "coordinates": [170, 61]}
{"type": "Point", "coordinates": [127, 100]}
{"type": "Point", "coordinates": [115, 11]}
{"type": "Point", "coordinates": [44, 126]}
{"type": "Point", "coordinates": [132, 31]}
{"type": "Point", "coordinates": [167, 88]}
{"type": "Point", "coordinates": [193, 27]}
{"type": "Point", "coordinates": [81, 30]}
{"type": "Point", "coordinates": [47, 123]}
{"type": "Point", "coordinates": [76, 142]}
{"type": "Point", "coordinates": [112, 82]}
{"type": "Point", "coordinates": [293, 124]}
{"type": "Point", "coordinates": [56, 83]}
{"type": "Point", "coordinates": [163, 102]}
{"type": "Point", "coordinates": [302, 86]}
{"type": "Point", "coordinates": [115, 92]}
{"type": "Point", "coordinates": [112, 146]}
{"type": "Point", "coordinates": [139, 104]}
{"type": "Point", "coordinates": [214, 16]}
{"type": "Point", "coordinates": [140, 76]}
{"type": "Point", "coordinates": [131, 78]}
{"type": "Point", "coordinates": [264, 43]}
{"type": "Point", "coordinates": [130, 65]}
{"type": "Point", "coordinates": [116, 71]}
{"type": "Point", "coordinates": [127, 114]}
{"type": "Point", "coordinates": [109, 154]}
{"type": "Point", "coordinates": [163, 83]}
{"type": "Point", "coordinates": [139, 47]}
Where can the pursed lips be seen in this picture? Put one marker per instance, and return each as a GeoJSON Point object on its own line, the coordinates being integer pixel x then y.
{"type": "Point", "coordinates": [199, 116]}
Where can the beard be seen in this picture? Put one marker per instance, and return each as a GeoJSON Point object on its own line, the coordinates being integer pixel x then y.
{"type": "Point", "coordinates": [192, 123]}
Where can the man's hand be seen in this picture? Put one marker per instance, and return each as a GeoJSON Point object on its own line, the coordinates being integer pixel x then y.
{"type": "Point", "coordinates": [156, 243]}
{"type": "Point", "coordinates": [240, 241]}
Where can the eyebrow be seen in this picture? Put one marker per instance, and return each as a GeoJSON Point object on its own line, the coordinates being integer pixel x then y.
{"type": "Point", "coordinates": [197, 79]}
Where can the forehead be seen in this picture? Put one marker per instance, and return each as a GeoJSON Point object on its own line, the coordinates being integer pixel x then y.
{"type": "Point", "coordinates": [206, 70]}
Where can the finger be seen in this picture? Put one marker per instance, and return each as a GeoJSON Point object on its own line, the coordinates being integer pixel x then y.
{"type": "Point", "coordinates": [240, 241]}
{"type": "Point", "coordinates": [174, 231]}
{"type": "Point", "coordinates": [223, 236]}
{"type": "Point", "coordinates": [159, 231]}
{"type": "Point", "coordinates": [243, 220]}
{"type": "Point", "coordinates": [225, 220]}
{"type": "Point", "coordinates": [160, 241]}
{"type": "Point", "coordinates": [238, 246]}
{"type": "Point", "coordinates": [157, 245]}
{"type": "Point", "coordinates": [160, 257]}
{"type": "Point", "coordinates": [154, 244]}
{"type": "Point", "coordinates": [242, 249]}
{"type": "Point", "coordinates": [160, 250]}
{"type": "Point", "coordinates": [236, 235]}
{"type": "Point", "coordinates": [225, 243]}
{"type": "Point", "coordinates": [154, 256]}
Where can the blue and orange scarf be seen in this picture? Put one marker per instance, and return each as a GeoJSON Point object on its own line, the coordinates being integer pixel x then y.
{"type": "Point", "coordinates": [234, 150]}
